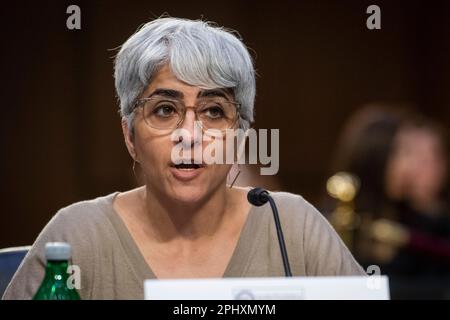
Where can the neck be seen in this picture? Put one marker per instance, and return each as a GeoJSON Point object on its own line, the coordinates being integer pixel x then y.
{"type": "Point", "coordinates": [169, 219]}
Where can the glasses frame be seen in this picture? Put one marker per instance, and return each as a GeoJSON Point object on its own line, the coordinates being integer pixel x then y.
{"type": "Point", "coordinates": [140, 104]}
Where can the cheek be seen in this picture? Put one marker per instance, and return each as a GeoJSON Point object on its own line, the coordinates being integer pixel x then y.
{"type": "Point", "coordinates": [222, 169]}
{"type": "Point", "coordinates": [153, 152]}
{"type": "Point", "coordinates": [430, 176]}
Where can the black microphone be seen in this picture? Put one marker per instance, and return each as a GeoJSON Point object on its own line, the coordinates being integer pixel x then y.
{"type": "Point", "coordinates": [258, 197]}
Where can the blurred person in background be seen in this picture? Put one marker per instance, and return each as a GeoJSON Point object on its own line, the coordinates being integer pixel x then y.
{"type": "Point", "coordinates": [395, 163]}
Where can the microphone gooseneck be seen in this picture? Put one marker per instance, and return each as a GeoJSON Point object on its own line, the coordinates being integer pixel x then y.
{"type": "Point", "coordinates": [258, 197]}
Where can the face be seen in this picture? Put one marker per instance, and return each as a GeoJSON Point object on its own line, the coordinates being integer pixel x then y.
{"type": "Point", "coordinates": [152, 148]}
{"type": "Point", "coordinates": [416, 169]}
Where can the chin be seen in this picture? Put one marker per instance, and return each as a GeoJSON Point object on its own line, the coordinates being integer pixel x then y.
{"type": "Point", "coordinates": [189, 194]}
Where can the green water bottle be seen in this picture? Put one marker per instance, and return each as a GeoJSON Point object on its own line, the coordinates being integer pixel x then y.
{"type": "Point", "coordinates": [55, 285]}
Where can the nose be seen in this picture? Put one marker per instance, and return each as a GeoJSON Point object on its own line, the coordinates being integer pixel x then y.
{"type": "Point", "coordinates": [192, 129]}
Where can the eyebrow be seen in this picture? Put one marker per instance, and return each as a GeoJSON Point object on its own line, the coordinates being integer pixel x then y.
{"type": "Point", "coordinates": [212, 93]}
{"type": "Point", "coordinates": [170, 93]}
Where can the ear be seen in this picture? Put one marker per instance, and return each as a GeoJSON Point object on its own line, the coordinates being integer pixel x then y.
{"type": "Point", "coordinates": [128, 137]}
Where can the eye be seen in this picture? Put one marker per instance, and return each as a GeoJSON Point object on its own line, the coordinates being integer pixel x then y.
{"type": "Point", "coordinates": [214, 112]}
{"type": "Point", "coordinates": [164, 110]}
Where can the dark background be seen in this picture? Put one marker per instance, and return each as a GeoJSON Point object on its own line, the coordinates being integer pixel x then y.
{"type": "Point", "coordinates": [317, 62]}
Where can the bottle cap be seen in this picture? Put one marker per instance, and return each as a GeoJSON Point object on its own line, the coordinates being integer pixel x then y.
{"type": "Point", "coordinates": [57, 251]}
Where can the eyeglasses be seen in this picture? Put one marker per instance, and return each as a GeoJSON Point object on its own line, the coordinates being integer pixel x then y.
{"type": "Point", "coordinates": [168, 114]}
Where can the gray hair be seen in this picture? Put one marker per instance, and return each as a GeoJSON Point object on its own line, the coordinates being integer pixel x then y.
{"type": "Point", "coordinates": [198, 53]}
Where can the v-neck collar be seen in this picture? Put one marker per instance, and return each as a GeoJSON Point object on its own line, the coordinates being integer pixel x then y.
{"type": "Point", "coordinates": [236, 267]}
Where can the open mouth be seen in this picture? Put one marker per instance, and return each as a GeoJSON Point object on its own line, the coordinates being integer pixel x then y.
{"type": "Point", "coordinates": [188, 166]}
{"type": "Point", "coordinates": [187, 170]}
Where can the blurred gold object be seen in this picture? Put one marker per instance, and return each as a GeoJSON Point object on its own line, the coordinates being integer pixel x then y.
{"type": "Point", "coordinates": [387, 236]}
{"type": "Point", "coordinates": [384, 235]}
{"type": "Point", "coordinates": [343, 186]}
{"type": "Point", "coordinates": [389, 232]}
{"type": "Point", "coordinates": [383, 253]}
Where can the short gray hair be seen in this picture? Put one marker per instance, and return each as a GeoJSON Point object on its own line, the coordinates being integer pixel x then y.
{"type": "Point", "coordinates": [198, 52]}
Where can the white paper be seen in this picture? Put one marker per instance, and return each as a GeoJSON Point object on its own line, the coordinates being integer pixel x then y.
{"type": "Point", "coordinates": [295, 288]}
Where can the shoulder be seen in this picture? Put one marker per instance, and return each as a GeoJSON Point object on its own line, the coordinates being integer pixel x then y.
{"type": "Point", "coordinates": [293, 207]}
{"type": "Point", "coordinates": [295, 211]}
{"type": "Point", "coordinates": [84, 226]}
{"type": "Point", "coordinates": [299, 218]}
{"type": "Point", "coordinates": [324, 253]}
{"type": "Point", "coordinates": [87, 210]}
{"type": "Point", "coordinates": [298, 212]}
{"type": "Point", "coordinates": [81, 218]}
{"type": "Point", "coordinates": [287, 199]}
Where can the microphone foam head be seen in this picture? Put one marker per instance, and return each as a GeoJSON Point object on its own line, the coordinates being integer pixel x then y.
{"type": "Point", "coordinates": [258, 196]}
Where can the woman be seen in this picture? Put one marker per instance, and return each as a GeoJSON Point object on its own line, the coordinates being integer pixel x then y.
{"type": "Point", "coordinates": [402, 208]}
{"type": "Point", "coordinates": [184, 222]}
